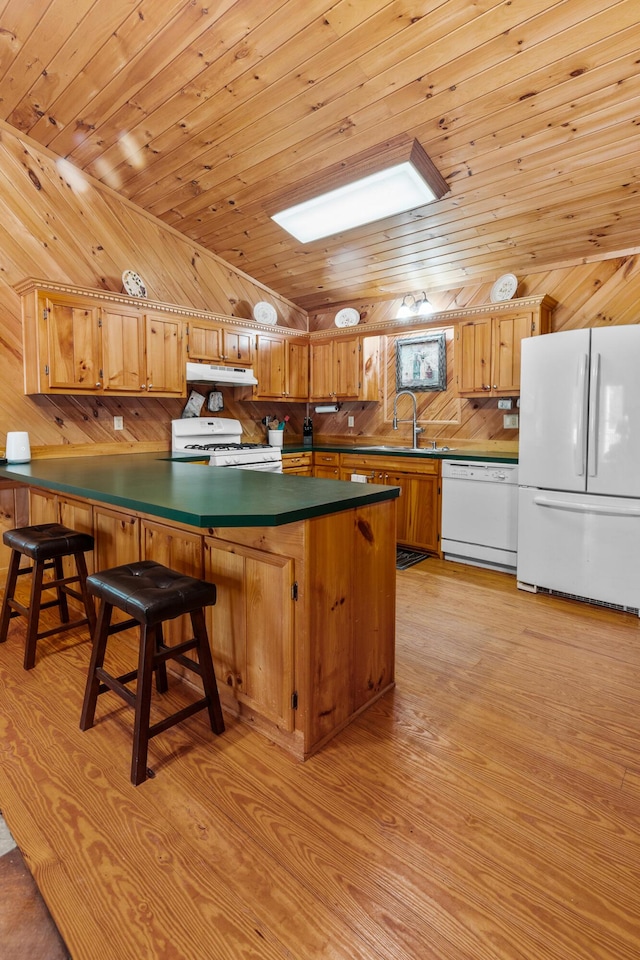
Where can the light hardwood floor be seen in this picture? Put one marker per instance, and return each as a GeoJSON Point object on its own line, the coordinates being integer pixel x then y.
{"type": "Point", "coordinates": [487, 809]}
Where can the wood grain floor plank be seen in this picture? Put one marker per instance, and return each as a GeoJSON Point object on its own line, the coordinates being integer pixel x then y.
{"type": "Point", "coordinates": [486, 809]}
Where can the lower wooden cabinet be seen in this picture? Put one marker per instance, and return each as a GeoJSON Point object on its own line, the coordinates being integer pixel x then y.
{"type": "Point", "coordinates": [179, 550]}
{"type": "Point", "coordinates": [251, 628]}
{"type": "Point", "coordinates": [418, 506]}
{"type": "Point", "coordinates": [299, 649]}
{"type": "Point", "coordinates": [14, 512]}
{"type": "Point", "coordinates": [326, 465]}
{"type": "Point", "coordinates": [298, 463]}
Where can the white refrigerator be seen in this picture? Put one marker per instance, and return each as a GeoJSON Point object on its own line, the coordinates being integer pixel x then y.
{"type": "Point", "coordinates": [579, 465]}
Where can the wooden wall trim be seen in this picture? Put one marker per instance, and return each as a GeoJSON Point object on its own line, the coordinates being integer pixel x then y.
{"type": "Point", "coordinates": [31, 284]}
{"type": "Point", "coordinates": [442, 318]}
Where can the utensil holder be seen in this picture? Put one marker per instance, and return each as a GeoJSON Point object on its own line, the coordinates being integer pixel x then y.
{"type": "Point", "coordinates": [276, 438]}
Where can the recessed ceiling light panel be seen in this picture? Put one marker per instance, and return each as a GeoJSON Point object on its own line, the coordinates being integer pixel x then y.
{"type": "Point", "coordinates": [383, 194]}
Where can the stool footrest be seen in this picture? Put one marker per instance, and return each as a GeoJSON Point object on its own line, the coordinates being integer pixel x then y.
{"type": "Point", "coordinates": [63, 626]}
{"type": "Point", "coordinates": [164, 652]}
{"type": "Point", "coordinates": [178, 717]}
{"type": "Point", "coordinates": [117, 684]}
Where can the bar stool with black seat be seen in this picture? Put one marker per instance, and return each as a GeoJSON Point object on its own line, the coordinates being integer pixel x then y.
{"type": "Point", "coordinates": [151, 594]}
{"type": "Point", "coordinates": [46, 544]}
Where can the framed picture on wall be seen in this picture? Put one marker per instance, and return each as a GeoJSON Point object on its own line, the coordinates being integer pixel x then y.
{"type": "Point", "coordinates": [421, 362]}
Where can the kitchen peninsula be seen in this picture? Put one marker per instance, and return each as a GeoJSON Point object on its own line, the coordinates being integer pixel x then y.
{"type": "Point", "coordinates": [303, 633]}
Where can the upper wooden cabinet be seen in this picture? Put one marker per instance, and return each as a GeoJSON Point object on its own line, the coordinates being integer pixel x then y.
{"type": "Point", "coordinates": [214, 343]}
{"type": "Point", "coordinates": [281, 368]}
{"type": "Point", "coordinates": [345, 369]}
{"type": "Point", "coordinates": [75, 345]}
{"type": "Point", "coordinates": [488, 349]}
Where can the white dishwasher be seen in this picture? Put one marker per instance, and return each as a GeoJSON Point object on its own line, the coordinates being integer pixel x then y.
{"type": "Point", "coordinates": [480, 513]}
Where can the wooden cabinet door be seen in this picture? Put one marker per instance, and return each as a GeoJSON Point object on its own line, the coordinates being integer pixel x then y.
{"type": "Point", "coordinates": [179, 550]}
{"type": "Point", "coordinates": [117, 537]}
{"type": "Point", "coordinates": [418, 510]}
{"type": "Point", "coordinates": [165, 359]}
{"type": "Point", "coordinates": [322, 379]}
{"type": "Point", "coordinates": [508, 334]}
{"type": "Point", "coordinates": [43, 507]}
{"type": "Point", "coordinates": [73, 346]}
{"type": "Point", "coordinates": [346, 368]}
{"type": "Point", "coordinates": [205, 342]}
{"type": "Point", "coordinates": [270, 366]}
{"type": "Point", "coordinates": [78, 515]}
{"type": "Point", "coordinates": [238, 348]}
{"type": "Point", "coordinates": [123, 360]}
{"type": "Point", "coordinates": [14, 512]}
{"type": "Point", "coordinates": [297, 380]}
{"type": "Point", "coordinates": [474, 358]}
{"type": "Point", "coordinates": [251, 627]}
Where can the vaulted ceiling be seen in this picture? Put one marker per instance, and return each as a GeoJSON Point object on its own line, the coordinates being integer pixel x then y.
{"type": "Point", "coordinates": [207, 116]}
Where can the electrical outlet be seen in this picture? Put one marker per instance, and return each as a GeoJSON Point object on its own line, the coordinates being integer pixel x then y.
{"type": "Point", "coordinates": [511, 421]}
{"type": "Point", "coordinates": [118, 423]}
{"type": "Point", "coordinates": [350, 422]}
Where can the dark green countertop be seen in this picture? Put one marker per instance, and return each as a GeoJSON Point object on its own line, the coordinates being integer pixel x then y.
{"type": "Point", "coordinates": [370, 450]}
{"type": "Point", "coordinates": [194, 493]}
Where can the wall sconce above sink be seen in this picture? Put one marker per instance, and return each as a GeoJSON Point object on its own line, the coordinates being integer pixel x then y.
{"type": "Point", "coordinates": [413, 306]}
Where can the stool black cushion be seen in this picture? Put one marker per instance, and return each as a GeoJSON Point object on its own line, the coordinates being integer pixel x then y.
{"type": "Point", "coordinates": [151, 592]}
{"type": "Point", "coordinates": [44, 541]}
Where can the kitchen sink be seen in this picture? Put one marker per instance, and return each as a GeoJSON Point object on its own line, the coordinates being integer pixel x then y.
{"type": "Point", "coordinates": [421, 450]}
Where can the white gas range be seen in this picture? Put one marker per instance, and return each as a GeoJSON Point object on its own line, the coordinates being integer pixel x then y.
{"type": "Point", "coordinates": [220, 439]}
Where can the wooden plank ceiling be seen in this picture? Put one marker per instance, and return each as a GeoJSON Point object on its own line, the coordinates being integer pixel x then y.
{"type": "Point", "coordinates": [204, 115]}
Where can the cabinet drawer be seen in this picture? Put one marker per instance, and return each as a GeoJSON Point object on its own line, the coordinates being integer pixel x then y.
{"type": "Point", "coordinates": [291, 461]}
{"type": "Point", "coordinates": [414, 465]}
{"type": "Point", "coordinates": [326, 459]}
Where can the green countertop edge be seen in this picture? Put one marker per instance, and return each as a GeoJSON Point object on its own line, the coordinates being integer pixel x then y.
{"type": "Point", "coordinates": [305, 497]}
{"type": "Point", "coordinates": [363, 450]}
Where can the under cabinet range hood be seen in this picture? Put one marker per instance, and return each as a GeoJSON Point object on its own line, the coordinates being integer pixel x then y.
{"type": "Point", "coordinates": [215, 373]}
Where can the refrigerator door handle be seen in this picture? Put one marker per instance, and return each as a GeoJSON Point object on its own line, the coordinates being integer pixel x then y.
{"type": "Point", "coordinates": [582, 400]}
{"type": "Point", "coordinates": [594, 418]}
{"type": "Point", "coordinates": [584, 507]}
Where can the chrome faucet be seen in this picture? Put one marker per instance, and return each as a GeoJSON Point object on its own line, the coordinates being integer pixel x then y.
{"type": "Point", "coordinates": [414, 419]}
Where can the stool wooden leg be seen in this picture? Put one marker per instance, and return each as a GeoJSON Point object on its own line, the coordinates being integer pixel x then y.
{"type": "Point", "coordinates": [34, 615]}
{"type": "Point", "coordinates": [97, 660]}
{"type": "Point", "coordinates": [162, 684]}
{"type": "Point", "coordinates": [63, 603]}
{"type": "Point", "coordinates": [87, 599]}
{"type": "Point", "coordinates": [9, 592]}
{"type": "Point", "coordinates": [143, 704]}
{"type": "Point", "coordinates": [207, 672]}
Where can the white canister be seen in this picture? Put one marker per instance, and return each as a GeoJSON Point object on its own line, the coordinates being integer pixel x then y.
{"type": "Point", "coordinates": [276, 438]}
{"type": "Point", "coordinates": [18, 448]}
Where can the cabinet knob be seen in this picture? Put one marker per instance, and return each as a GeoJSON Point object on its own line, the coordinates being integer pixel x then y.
{"type": "Point", "coordinates": [143, 386]}
{"type": "Point", "coordinates": [150, 387]}
{"type": "Point", "coordinates": [98, 384]}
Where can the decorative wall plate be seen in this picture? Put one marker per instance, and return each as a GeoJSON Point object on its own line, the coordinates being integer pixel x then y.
{"type": "Point", "coordinates": [347, 317]}
{"type": "Point", "coordinates": [133, 284]}
{"type": "Point", "coordinates": [264, 312]}
{"type": "Point", "coordinates": [504, 288]}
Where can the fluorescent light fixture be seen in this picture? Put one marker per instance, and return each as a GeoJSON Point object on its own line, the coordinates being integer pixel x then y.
{"type": "Point", "coordinates": [396, 188]}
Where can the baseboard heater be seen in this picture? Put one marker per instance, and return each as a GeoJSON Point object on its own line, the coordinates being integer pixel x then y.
{"type": "Point", "coordinates": [530, 588]}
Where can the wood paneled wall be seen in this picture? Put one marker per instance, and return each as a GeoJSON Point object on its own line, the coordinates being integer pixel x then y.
{"type": "Point", "coordinates": [594, 294]}
{"type": "Point", "coordinates": [82, 233]}
{"type": "Point", "coordinates": [51, 228]}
